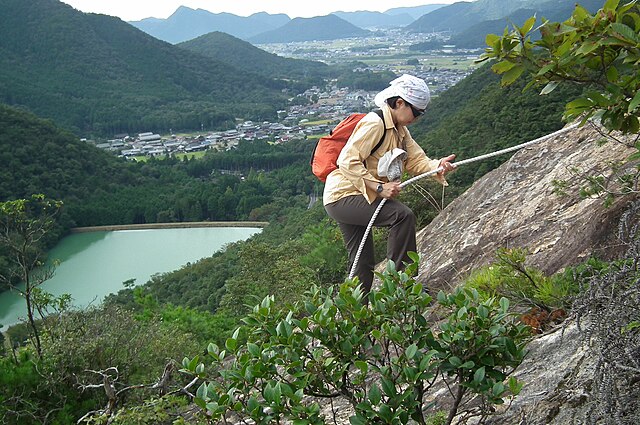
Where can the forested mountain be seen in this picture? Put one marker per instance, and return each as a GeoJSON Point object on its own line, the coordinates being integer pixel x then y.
{"type": "Point", "coordinates": [461, 16]}
{"type": "Point", "coordinates": [414, 11]}
{"type": "Point", "coordinates": [99, 188]}
{"type": "Point", "coordinates": [98, 74]}
{"type": "Point", "coordinates": [474, 36]}
{"type": "Point", "coordinates": [453, 18]}
{"type": "Point", "coordinates": [365, 19]}
{"type": "Point", "coordinates": [241, 54]}
{"type": "Point", "coordinates": [329, 27]}
{"type": "Point", "coordinates": [186, 23]}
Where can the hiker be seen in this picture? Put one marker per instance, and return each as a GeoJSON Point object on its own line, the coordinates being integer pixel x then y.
{"type": "Point", "coordinates": [353, 191]}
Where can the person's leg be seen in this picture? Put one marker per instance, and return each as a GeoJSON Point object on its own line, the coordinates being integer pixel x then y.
{"type": "Point", "coordinates": [352, 215]}
{"type": "Point", "coordinates": [352, 235]}
{"type": "Point", "coordinates": [402, 231]}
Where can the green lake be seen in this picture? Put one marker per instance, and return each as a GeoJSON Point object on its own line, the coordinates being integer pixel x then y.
{"type": "Point", "coordinates": [92, 265]}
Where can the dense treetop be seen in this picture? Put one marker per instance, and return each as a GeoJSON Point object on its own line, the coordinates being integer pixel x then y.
{"type": "Point", "coordinates": [243, 55]}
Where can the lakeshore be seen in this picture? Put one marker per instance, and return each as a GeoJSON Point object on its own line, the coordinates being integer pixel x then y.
{"type": "Point", "coordinates": [182, 225]}
{"type": "Point", "coordinates": [92, 265]}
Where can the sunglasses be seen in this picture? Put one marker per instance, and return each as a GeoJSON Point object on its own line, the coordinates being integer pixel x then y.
{"type": "Point", "coordinates": [415, 111]}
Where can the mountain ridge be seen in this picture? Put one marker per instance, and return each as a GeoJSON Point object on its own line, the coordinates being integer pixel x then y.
{"type": "Point", "coordinates": [365, 19]}
{"type": "Point", "coordinates": [329, 27]}
{"type": "Point", "coordinates": [474, 36]}
{"type": "Point", "coordinates": [186, 23]}
{"type": "Point", "coordinates": [242, 54]}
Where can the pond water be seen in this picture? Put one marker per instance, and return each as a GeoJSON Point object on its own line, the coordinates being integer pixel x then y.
{"type": "Point", "coordinates": [92, 265]}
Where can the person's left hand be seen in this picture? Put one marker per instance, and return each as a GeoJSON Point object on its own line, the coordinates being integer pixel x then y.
{"type": "Point", "coordinates": [446, 164]}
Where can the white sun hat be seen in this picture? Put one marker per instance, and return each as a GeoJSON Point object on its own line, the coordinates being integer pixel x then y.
{"type": "Point", "coordinates": [412, 89]}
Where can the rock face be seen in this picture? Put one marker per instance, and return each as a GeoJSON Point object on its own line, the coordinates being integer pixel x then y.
{"type": "Point", "coordinates": [515, 206]}
{"type": "Point", "coordinates": [557, 375]}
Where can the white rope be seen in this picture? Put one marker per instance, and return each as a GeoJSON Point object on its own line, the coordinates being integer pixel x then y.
{"type": "Point", "coordinates": [440, 169]}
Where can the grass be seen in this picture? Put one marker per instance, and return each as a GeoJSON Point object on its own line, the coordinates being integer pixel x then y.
{"type": "Point", "coordinates": [180, 156]}
{"type": "Point", "coordinates": [190, 155]}
{"type": "Point", "coordinates": [317, 122]}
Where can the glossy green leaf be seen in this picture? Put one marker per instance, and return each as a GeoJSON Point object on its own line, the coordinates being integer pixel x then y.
{"type": "Point", "coordinates": [498, 389]}
{"type": "Point", "coordinates": [357, 420]}
{"type": "Point", "coordinates": [628, 33]}
{"type": "Point", "coordinates": [491, 39]}
{"type": "Point", "coordinates": [551, 86]}
{"type": "Point", "coordinates": [231, 344]}
{"type": "Point", "coordinates": [411, 351]}
{"type": "Point", "coordinates": [375, 395]}
{"type": "Point", "coordinates": [362, 366]}
{"type": "Point", "coordinates": [611, 5]}
{"type": "Point", "coordinates": [634, 102]}
{"type": "Point", "coordinates": [528, 25]}
{"type": "Point", "coordinates": [253, 349]}
{"type": "Point", "coordinates": [502, 67]}
{"type": "Point", "coordinates": [455, 361]}
{"type": "Point", "coordinates": [504, 304]}
{"type": "Point", "coordinates": [388, 387]}
{"type": "Point", "coordinates": [587, 48]}
{"type": "Point", "coordinates": [512, 75]}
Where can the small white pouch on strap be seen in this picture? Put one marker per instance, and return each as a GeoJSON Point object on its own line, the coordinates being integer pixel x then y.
{"type": "Point", "coordinates": [390, 165]}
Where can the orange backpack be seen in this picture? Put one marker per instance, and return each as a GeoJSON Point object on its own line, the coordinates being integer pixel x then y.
{"type": "Point", "coordinates": [325, 154]}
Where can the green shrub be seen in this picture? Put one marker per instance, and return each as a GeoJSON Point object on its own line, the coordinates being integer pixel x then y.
{"type": "Point", "coordinates": [510, 277]}
{"type": "Point", "coordinates": [382, 357]}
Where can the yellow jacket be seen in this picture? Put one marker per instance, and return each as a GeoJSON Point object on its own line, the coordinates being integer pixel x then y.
{"type": "Point", "coordinates": [349, 178]}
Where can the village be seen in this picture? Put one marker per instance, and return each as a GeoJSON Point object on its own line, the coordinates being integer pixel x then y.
{"type": "Point", "coordinates": [322, 108]}
{"type": "Point", "coordinates": [299, 122]}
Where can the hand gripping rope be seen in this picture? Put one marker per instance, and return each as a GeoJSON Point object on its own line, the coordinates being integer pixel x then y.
{"type": "Point", "coordinates": [439, 169]}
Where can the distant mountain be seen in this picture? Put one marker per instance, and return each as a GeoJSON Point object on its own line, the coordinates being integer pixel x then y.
{"type": "Point", "coordinates": [456, 17]}
{"type": "Point", "coordinates": [96, 73]}
{"type": "Point", "coordinates": [415, 12]}
{"type": "Point", "coordinates": [330, 27]}
{"type": "Point", "coordinates": [186, 24]}
{"type": "Point", "coordinates": [243, 55]}
{"type": "Point", "coordinates": [475, 35]}
{"type": "Point", "coordinates": [365, 19]}
{"type": "Point", "coordinates": [460, 16]}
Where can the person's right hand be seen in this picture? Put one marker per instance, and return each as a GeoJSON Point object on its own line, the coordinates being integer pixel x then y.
{"type": "Point", "coordinates": [390, 190]}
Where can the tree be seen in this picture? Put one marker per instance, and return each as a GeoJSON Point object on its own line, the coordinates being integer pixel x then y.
{"type": "Point", "coordinates": [24, 223]}
{"type": "Point", "coordinates": [385, 358]}
{"type": "Point", "coordinates": [599, 51]}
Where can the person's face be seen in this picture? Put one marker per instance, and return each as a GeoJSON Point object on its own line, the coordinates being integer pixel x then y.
{"type": "Point", "coordinates": [406, 113]}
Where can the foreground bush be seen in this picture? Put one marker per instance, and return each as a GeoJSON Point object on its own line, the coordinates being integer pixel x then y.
{"type": "Point", "coordinates": [385, 358]}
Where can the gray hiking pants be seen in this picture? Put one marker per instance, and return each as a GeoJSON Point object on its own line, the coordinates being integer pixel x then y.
{"type": "Point", "coordinates": [353, 214]}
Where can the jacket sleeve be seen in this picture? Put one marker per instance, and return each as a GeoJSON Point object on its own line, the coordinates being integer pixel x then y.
{"type": "Point", "coordinates": [418, 162]}
{"type": "Point", "coordinates": [358, 148]}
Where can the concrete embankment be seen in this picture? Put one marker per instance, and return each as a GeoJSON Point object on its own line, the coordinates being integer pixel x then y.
{"type": "Point", "coordinates": [185, 225]}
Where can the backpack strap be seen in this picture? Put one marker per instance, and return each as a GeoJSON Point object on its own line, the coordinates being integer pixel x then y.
{"type": "Point", "coordinates": [384, 132]}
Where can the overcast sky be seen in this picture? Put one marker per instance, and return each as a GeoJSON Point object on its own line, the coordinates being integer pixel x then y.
{"type": "Point", "coordinates": [134, 10]}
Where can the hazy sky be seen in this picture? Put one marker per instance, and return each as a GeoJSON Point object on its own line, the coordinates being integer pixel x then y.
{"type": "Point", "coordinates": [133, 10]}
